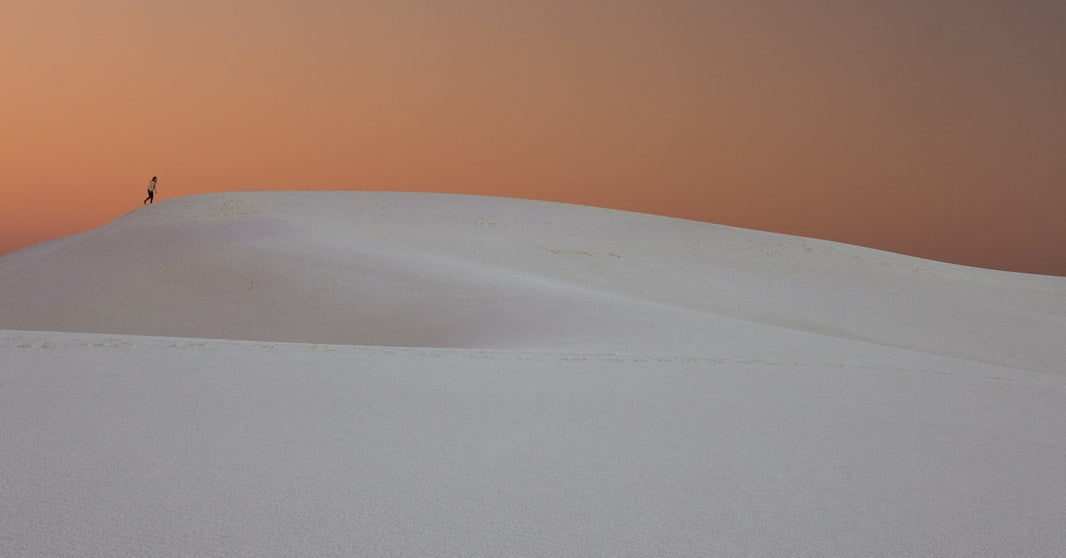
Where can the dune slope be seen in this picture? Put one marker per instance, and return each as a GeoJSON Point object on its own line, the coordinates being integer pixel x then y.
{"type": "Point", "coordinates": [433, 270]}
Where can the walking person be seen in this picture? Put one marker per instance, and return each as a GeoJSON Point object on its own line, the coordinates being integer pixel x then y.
{"type": "Point", "coordinates": [151, 192]}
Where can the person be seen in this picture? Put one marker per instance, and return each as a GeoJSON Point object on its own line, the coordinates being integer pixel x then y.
{"type": "Point", "coordinates": [151, 192]}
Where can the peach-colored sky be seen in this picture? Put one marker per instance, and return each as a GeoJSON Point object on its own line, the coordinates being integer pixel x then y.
{"type": "Point", "coordinates": [934, 128]}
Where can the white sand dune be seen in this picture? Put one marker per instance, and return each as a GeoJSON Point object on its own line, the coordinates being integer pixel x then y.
{"type": "Point", "coordinates": [426, 374]}
{"type": "Point", "coordinates": [432, 270]}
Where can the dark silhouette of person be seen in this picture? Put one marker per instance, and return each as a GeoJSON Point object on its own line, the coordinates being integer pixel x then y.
{"type": "Point", "coordinates": [151, 192]}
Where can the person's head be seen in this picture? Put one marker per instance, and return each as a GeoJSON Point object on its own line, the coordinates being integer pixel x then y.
{"type": "Point", "coordinates": [153, 178]}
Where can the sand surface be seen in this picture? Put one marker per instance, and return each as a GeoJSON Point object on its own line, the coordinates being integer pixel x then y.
{"type": "Point", "coordinates": [313, 373]}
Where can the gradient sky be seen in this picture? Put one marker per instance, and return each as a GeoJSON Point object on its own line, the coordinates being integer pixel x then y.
{"type": "Point", "coordinates": [934, 128]}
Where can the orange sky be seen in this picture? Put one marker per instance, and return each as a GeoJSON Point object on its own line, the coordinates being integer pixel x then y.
{"type": "Point", "coordinates": [934, 128]}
